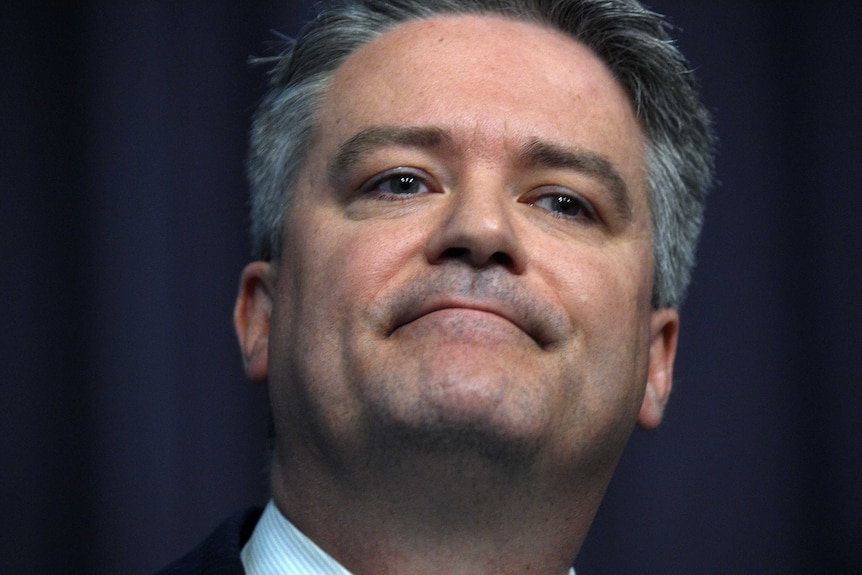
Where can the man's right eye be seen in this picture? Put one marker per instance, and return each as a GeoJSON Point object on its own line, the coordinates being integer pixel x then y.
{"type": "Point", "coordinates": [399, 182]}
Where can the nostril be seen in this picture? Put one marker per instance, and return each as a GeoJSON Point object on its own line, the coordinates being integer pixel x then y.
{"type": "Point", "coordinates": [476, 258]}
{"type": "Point", "coordinates": [455, 253]}
{"type": "Point", "coordinates": [503, 259]}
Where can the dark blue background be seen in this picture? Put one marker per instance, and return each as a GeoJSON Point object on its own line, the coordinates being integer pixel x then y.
{"type": "Point", "coordinates": [128, 431]}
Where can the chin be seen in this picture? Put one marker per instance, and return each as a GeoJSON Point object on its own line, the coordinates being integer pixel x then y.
{"type": "Point", "coordinates": [451, 406]}
{"type": "Point", "coordinates": [469, 426]}
{"type": "Point", "coordinates": [456, 444]}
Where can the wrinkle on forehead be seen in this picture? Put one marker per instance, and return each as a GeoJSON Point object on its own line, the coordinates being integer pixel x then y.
{"type": "Point", "coordinates": [495, 84]}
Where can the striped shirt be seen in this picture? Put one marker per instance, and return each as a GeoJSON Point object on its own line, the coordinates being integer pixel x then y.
{"type": "Point", "coordinates": [277, 547]}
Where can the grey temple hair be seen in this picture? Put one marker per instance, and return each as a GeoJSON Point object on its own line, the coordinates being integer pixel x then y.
{"type": "Point", "coordinates": [632, 41]}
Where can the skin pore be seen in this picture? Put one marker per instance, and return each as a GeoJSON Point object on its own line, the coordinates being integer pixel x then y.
{"type": "Point", "coordinates": [458, 337]}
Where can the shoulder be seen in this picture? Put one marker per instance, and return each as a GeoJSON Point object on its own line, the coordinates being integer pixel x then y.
{"type": "Point", "coordinates": [219, 553]}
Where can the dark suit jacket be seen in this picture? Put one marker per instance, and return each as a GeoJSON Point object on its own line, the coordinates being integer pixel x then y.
{"type": "Point", "coordinates": [219, 553]}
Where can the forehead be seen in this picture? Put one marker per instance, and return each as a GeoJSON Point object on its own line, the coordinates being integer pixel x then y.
{"type": "Point", "coordinates": [490, 81]}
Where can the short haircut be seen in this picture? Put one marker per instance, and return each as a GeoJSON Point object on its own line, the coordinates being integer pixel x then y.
{"type": "Point", "coordinates": [632, 41]}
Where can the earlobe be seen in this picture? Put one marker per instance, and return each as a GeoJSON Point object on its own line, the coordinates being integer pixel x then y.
{"type": "Point", "coordinates": [251, 317]}
{"type": "Point", "coordinates": [664, 332]}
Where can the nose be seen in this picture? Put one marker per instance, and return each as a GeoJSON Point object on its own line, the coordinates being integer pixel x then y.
{"type": "Point", "coordinates": [478, 229]}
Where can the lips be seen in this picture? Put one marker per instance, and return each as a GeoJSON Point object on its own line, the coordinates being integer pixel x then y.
{"type": "Point", "coordinates": [518, 315]}
{"type": "Point", "coordinates": [486, 307]}
{"type": "Point", "coordinates": [490, 290]}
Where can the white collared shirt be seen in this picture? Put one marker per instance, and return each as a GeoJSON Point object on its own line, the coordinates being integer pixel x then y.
{"type": "Point", "coordinates": [277, 547]}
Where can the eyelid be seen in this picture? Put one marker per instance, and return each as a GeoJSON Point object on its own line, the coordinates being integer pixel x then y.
{"type": "Point", "coordinates": [370, 184]}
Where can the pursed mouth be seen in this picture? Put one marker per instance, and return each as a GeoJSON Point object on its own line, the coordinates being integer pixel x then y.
{"type": "Point", "coordinates": [530, 328]}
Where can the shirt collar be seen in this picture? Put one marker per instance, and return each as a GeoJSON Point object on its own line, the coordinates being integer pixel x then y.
{"type": "Point", "coordinates": [277, 546]}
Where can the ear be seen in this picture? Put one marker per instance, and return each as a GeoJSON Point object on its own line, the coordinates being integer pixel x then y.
{"type": "Point", "coordinates": [251, 316]}
{"type": "Point", "coordinates": [664, 332]}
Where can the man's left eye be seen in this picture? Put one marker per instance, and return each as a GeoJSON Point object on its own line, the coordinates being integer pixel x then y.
{"type": "Point", "coordinates": [403, 184]}
{"type": "Point", "coordinates": [564, 206]}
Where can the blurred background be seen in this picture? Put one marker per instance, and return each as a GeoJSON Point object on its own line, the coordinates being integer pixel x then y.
{"type": "Point", "coordinates": [128, 432]}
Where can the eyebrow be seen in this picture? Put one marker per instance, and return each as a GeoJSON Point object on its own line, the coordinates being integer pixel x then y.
{"type": "Point", "coordinates": [354, 150]}
{"type": "Point", "coordinates": [535, 153]}
{"type": "Point", "coordinates": [540, 153]}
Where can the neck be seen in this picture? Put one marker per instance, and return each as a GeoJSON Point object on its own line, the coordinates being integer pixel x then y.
{"type": "Point", "coordinates": [432, 516]}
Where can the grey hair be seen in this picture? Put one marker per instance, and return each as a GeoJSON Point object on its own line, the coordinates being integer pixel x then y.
{"type": "Point", "coordinates": [632, 41]}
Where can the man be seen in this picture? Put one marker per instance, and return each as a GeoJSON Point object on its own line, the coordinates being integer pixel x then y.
{"type": "Point", "coordinates": [474, 222]}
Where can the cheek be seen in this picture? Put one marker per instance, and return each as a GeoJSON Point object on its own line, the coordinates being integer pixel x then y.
{"type": "Point", "coordinates": [607, 298]}
{"type": "Point", "coordinates": [604, 291]}
{"type": "Point", "coordinates": [345, 264]}
{"type": "Point", "coordinates": [607, 301]}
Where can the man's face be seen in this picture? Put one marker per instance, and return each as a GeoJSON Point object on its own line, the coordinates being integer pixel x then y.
{"type": "Point", "coordinates": [468, 255]}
